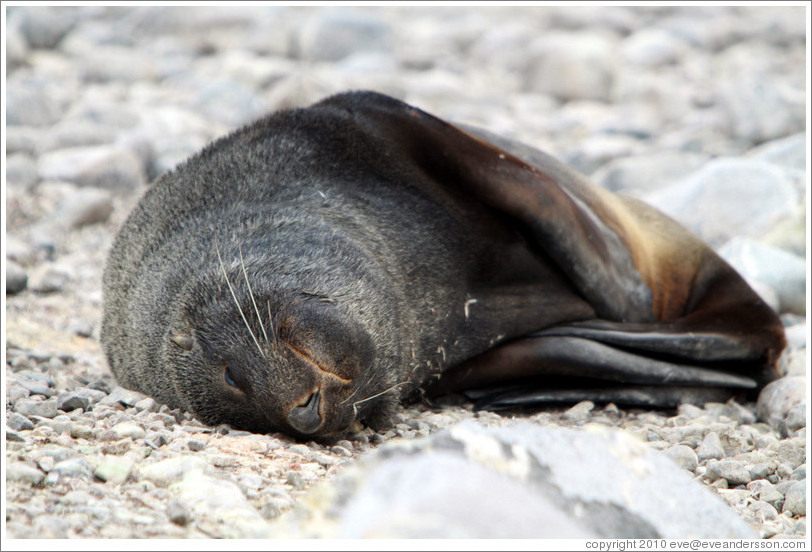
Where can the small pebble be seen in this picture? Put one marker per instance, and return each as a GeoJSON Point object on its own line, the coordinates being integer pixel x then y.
{"type": "Point", "coordinates": [120, 395]}
{"type": "Point", "coordinates": [16, 278]}
{"type": "Point", "coordinates": [18, 422]}
{"type": "Point", "coordinates": [31, 407]}
{"type": "Point", "coordinates": [296, 480]}
{"type": "Point", "coordinates": [731, 470]}
{"type": "Point", "coordinates": [169, 471]}
{"type": "Point", "coordinates": [764, 490]}
{"type": "Point", "coordinates": [73, 467]}
{"type": "Point", "coordinates": [795, 500]}
{"type": "Point", "coordinates": [72, 401]}
{"type": "Point", "coordinates": [767, 511]}
{"type": "Point", "coordinates": [683, 456]}
{"type": "Point", "coordinates": [23, 472]}
{"type": "Point", "coordinates": [579, 412]}
{"type": "Point", "coordinates": [711, 447]}
{"type": "Point", "coordinates": [146, 405]}
{"type": "Point", "coordinates": [195, 445]}
{"type": "Point", "coordinates": [114, 469]}
{"type": "Point", "coordinates": [178, 513]}
{"type": "Point", "coordinates": [222, 460]}
{"type": "Point", "coordinates": [126, 429]}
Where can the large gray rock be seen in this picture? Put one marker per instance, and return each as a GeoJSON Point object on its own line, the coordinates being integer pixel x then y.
{"type": "Point", "coordinates": [520, 480]}
{"type": "Point", "coordinates": [729, 197]}
{"type": "Point", "coordinates": [759, 113]}
{"type": "Point", "coordinates": [784, 272]}
{"type": "Point", "coordinates": [778, 400]}
{"type": "Point", "coordinates": [646, 173]}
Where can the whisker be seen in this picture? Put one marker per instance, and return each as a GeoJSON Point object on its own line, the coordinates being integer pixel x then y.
{"type": "Point", "coordinates": [379, 394]}
{"type": "Point", "coordinates": [251, 293]}
{"type": "Point", "coordinates": [270, 317]}
{"type": "Point", "coordinates": [357, 389]}
{"type": "Point", "coordinates": [234, 296]}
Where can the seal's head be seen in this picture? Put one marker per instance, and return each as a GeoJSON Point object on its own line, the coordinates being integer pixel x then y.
{"type": "Point", "coordinates": [259, 339]}
{"type": "Point", "coordinates": [255, 352]}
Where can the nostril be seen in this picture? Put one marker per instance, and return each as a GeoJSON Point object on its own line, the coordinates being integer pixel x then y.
{"type": "Point", "coordinates": [306, 418]}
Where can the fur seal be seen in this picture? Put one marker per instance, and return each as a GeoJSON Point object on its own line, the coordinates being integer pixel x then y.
{"type": "Point", "coordinates": [306, 272]}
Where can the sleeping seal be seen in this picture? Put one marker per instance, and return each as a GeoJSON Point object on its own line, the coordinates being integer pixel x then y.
{"type": "Point", "coordinates": [306, 272]}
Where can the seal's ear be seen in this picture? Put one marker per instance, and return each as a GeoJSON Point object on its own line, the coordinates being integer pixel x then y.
{"type": "Point", "coordinates": [656, 288]}
{"type": "Point", "coordinates": [181, 338]}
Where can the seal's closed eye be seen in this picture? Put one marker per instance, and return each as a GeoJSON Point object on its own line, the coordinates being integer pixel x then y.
{"type": "Point", "coordinates": [229, 375]}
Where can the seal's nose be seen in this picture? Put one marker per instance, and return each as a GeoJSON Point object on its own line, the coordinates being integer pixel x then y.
{"type": "Point", "coordinates": [306, 418]}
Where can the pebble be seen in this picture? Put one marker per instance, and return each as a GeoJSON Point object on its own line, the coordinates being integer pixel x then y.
{"type": "Point", "coordinates": [21, 171]}
{"type": "Point", "coordinates": [764, 509]}
{"type": "Point", "coordinates": [104, 166]}
{"type": "Point", "coordinates": [734, 472]}
{"type": "Point", "coordinates": [122, 396]}
{"type": "Point", "coordinates": [45, 27]}
{"type": "Point", "coordinates": [792, 452]}
{"type": "Point", "coordinates": [195, 445]}
{"type": "Point", "coordinates": [332, 35]}
{"type": "Point", "coordinates": [114, 469]}
{"type": "Point", "coordinates": [759, 113]}
{"type": "Point", "coordinates": [23, 472]}
{"type": "Point", "coordinates": [178, 513]}
{"type": "Point", "coordinates": [169, 471]}
{"type": "Point", "coordinates": [32, 407]}
{"type": "Point", "coordinates": [18, 422]}
{"type": "Point", "coordinates": [87, 206]}
{"type": "Point", "coordinates": [579, 412]}
{"type": "Point", "coordinates": [683, 456]}
{"type": "Point", "coordinates": [765, 491]}
{"type": "Point", "coordinates": [795, 501]}
{"type": "Point", "coordinates": [571, 66]}
{"type": "Point", "coordinates": [50, 278]}
{"type": "Point", "coordinates": [73, 467]}
{"type": "Point", "coordinates": [296, 480]}
{"type": "Point", "coordinates": [146, 405]}
{"type": "Point", "coordinates": [16, 278]}
{"type": "Point", "coordinates": [30, 105]}
{"type": "Point", "coordinates": [125, 429]}
{"type": "Point", "coordinates": [652, 47]}
{"type": "Point", "coordinates": [222, 460]}
{"type": "Point", "coordinates": [71, 401]}
{"type": "Point", "coordinates": [36, 387]}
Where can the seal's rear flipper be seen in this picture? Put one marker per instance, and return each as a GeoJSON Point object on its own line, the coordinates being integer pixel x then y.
{"type": "Point", "coordinates": [543, 359]}
{"type": "Point", "coordinates": [643, 396]}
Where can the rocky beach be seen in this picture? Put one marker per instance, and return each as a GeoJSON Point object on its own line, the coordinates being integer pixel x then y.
{"type": "Point", "coordinates": [699, 111]}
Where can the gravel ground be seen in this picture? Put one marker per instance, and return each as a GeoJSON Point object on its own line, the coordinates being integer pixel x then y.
{"type": "Point", "coordinates": [675, 105]}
